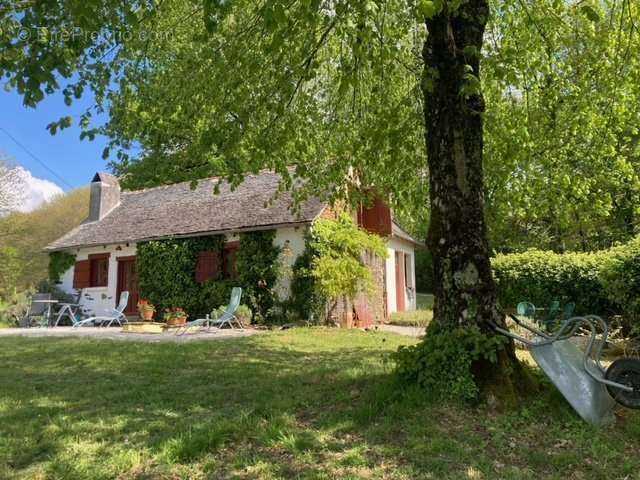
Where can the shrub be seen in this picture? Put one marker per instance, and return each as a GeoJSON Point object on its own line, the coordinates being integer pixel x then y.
{"type": "Point", "coordinates": [306, 300]}
{"type": "Point", "coordinates": [14, 307]}
{"type": "Point", "coordinates": [620, 276]}
{"type": "Point", "coordinates": [46, 286]}
{"type": "Point", "coordinates": [442, 363]}
{"type": "Point", "coordinates": [10, 270]}
{"type": "Point", "coordinates": [541, 277]}
{"type": "Point", "coordinates": [258, 271]}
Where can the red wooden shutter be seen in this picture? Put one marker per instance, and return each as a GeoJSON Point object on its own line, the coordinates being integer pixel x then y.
{"type": "Point", "coordinates": [376, 219]}
{"type": "Point", "coordinates": [207, 266]}
{"type": "Point", "coordinates": [81, 274]}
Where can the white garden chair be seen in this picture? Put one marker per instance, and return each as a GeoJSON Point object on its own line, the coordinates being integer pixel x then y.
{"type": "Point", "coordinates": [116, 315]}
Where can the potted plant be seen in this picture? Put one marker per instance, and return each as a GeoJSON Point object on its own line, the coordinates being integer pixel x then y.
{"type": "Point", "coordinates": [175, 316]}
{"type": "Point", "coordinates": [146, 309]}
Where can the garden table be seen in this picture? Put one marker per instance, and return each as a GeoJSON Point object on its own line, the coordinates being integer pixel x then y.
{"type": "Point", "coordinates": [49, 304]}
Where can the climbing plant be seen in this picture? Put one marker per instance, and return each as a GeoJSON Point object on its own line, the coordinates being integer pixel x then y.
{"type": "Point", "coordinates": [337, 265]}
{"type": "Point", "coordinates": [60, 262]}
{"type": "Point", "coordinates": [166, 275]}
{"type": "Point", "coordinates": [306, 301]}
{"type": "Point", "coordinates": [258, 273]}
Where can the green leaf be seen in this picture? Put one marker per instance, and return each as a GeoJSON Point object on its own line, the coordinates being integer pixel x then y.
{"type": "Point", "coordinates": [429, 8]}
{"type": "Point", "coordinates": [590, 12]}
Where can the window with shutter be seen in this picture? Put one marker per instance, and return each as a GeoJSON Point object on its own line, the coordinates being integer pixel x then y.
{"type": "Point", "coordinates": [207, 266]}
{"type": "Point", "coordinates": [99, 269]}
{"type": "Point", "coordinates": [81, 274]}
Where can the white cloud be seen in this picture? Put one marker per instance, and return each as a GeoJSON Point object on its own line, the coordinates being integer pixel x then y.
{"type": "Point", "coordinates": [36, 191]}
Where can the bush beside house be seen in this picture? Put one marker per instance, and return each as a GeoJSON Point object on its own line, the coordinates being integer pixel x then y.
{"type": "Point", "coordinates": [333, 270]}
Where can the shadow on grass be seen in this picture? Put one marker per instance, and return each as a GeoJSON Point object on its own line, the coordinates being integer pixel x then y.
{"type": "Point", "coordinates": [307, 404]}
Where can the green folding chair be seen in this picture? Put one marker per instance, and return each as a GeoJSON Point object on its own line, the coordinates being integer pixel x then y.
{"type": "Point", "coordinates": [551, 315]}
{"type": "Point", "coordinates": [527, 310]}
{"type": "Point", "coordinates": [227, 318]}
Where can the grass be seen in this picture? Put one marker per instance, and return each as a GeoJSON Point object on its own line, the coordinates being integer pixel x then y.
{"type": "Point", "coordinates": [298, 404]}
{"type": "Point", "coordinates": [424, 301]}
{"type": "Point", "coordinates": [417, 318]}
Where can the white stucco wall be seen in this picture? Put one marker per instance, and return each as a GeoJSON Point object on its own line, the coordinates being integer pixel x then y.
{"type": "Point", "coordinates": [399, 245]}
{"type": "Point", "coordinates": [98, 300]}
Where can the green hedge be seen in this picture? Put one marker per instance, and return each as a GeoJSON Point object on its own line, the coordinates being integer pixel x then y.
{"type": "Point", "coordinates": [620, 276]}
{"type": "Point", "coordinates": [540, 277]}
{"type": "Point", "coordinates": [603, 283]}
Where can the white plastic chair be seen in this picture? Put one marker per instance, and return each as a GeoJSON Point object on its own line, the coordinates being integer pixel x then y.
{"type": "Point", "coordinates": [117, 315]}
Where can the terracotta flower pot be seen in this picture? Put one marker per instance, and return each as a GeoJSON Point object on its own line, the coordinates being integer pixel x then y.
{"type": "Point", "coordinates": [175, 322]}
{"type": "Point", "coordinates": [147, 315]}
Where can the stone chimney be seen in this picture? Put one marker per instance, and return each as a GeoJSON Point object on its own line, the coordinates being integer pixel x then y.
{"type": "Point", "coordinates": [105, 196]}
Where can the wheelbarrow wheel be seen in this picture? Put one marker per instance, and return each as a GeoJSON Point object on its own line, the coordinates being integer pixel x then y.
{"type": "Point", "coordinates": [625, 371]}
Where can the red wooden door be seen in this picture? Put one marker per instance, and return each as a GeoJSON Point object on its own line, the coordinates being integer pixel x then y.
{"type": "Point", "coordinates": [128, 282]}
{"type": "Point", "coordinates": [400, 286]}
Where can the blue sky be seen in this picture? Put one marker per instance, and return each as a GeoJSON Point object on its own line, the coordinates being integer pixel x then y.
{"type": "Point", "coordinates": [73, 160]}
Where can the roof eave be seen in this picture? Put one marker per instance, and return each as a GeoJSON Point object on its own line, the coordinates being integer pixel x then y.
{"type": "Point", "coordinates": [300, 223]}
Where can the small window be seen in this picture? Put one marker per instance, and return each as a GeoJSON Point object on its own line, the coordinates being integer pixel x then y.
{"type": "Point", "coordinates": [230, 261]}
{"type": "Point", "coordinates": [99, 270]}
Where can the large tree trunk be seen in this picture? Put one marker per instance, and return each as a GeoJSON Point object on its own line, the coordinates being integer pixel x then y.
{"type": "Point", "coordinates": [465, 293]}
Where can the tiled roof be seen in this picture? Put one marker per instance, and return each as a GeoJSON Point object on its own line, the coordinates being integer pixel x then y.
{"type": "Point", "coordinates": [177, 210]}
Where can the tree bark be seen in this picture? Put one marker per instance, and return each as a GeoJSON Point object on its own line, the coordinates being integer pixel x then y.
{"type": "Point", "coordinates": [464, 290]}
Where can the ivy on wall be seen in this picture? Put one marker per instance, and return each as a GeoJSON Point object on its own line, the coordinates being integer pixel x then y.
{"type": "Point", "coordinates": [258, 271]}
{"type": "Point", "coordinates": [166, 275]}
{"type": "Point", "coordinates": [306, 301]}
{"type": "Point", "coordinates": [59, 263]}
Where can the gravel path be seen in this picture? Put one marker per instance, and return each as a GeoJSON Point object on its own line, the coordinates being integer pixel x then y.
{"type": "Point", "coordinates": [114, 333]}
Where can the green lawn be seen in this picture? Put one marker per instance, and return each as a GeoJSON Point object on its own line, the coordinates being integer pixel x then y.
{"type": "Point", "coordinates": [304, 403]}
{"type": "Point", "coordinates": [424, 301]}
{"type": "Point", "coordinates": [417, 318]}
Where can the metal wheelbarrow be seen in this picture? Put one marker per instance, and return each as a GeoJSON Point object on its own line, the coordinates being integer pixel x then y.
{"type": "Point", "coordinates": [589, 388]}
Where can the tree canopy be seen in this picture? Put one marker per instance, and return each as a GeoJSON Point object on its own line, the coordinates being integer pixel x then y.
{"type": "Point", "coordinates": [206, 87]}
{"type": "Point", "coordinates": [562, 82]}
